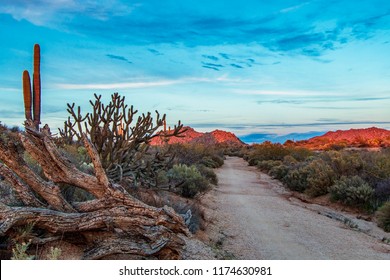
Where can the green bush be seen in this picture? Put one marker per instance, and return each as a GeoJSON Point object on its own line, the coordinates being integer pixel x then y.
{"type": "Point", "coordinates": [352, 191]}
{"type": "Point", "coordinates": [267, 165]}
{"type": "Point", "coordinates": [383, 215]}
{"type": "Point", "coordinates": [208, 173]}
{"type": "Point", "coordinates": [266, 151]}
{"type": "Point", "coordinates": [197, 153]}
{"type": "Point", "coordinates": [300, 154]}
{"type": "Point", "coordinates": [290, 160]}
{"type": "Point", "coordinates": [279, 172]}
{"type": "Point", "coordinates": [187, 179]}
{"type": "Point", "coordinates": [212, 161]}
{"type": "Point", "coordinates": [320, 177]}
{"type": "Point", "coordinates": [344, 163]}
{"type": "Point", "coordinates": [296, 179]}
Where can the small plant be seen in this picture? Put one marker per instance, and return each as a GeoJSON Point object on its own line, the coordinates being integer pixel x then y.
{"type": "Point", "coordinates": [188, 180]}
{"type": "Point", "coordinates": [320, 177]}
{"type": "Point", "coordinates": [267, 165]}
{"type": "Point", "coordinates": [352, 191]}
{"type": "Point", "coordinates": [54, 253]}
{"type": "Point", "coordinates": [19, 252]}
{"type": "Point", "coordinates": [296, 179]}
{"type": "Point", "coordinates": [383, 215]}
{"type": "Point", "coordinates": [279, 171]}
{"type": "Point", "coordinates": [208, 173]}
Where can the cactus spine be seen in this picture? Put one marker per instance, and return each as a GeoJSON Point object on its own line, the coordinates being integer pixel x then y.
{"type": "Point", "coordinates": [33, 99]}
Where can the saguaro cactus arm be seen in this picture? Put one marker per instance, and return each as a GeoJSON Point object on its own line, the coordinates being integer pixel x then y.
{"type": "Point", "coordinates": [27, 95]}
{"type": "Point", "coordinates": [37, 86]}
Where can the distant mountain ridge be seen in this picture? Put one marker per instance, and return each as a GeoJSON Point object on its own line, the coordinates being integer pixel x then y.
{"type": "Point", "coordinates": [362, 137]}
{"type": "Point", "coordinates": [192, 136]}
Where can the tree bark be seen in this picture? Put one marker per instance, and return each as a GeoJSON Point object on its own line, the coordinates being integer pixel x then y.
{"type": "Point", "coordinates": [113, 222]}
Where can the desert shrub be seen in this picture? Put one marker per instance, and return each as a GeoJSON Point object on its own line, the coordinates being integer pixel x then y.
{"type": "Point", "coordinates": [314, 176]}
{"type": "Point", "coordinates": [208, 173]}
{"type": "Point", "coordinates": [19, 252]}
{"type": "Point", "coordinates": [212, 161]}
{"type": "Point", "coordinates": [352, 191]}
{"type": "Point", "coordinates": [54, 253]}
{"type": "Point", "coordinates": [289, 160]}
{"type": "Point", "coordinates": [279, 172]}
{"type": "Point", "coordinates": [266, 151]}
{"type": "Point", "coordinates": [382, 191]}
{"type": "Point", "coordinates": [300, 154]}
{"type": "Point", "coordinates": [320, 177]}
{"type": "Point", "coordinates": [344, 163]}
{"type": "Point", "coordinates": [162, 178]}
{"type": "Point", "coordinates": [187, 179]}
{"type": "Point", "coordinates": [376, 166]}
{"type": "Point", "coordinates": [383, 216]}
{"type": "Point", "coordinates": [267, 165]}
{"type": "Point", "coordinates": [296, 179]}
{"type": "Point", "coordinates": [190, 154]}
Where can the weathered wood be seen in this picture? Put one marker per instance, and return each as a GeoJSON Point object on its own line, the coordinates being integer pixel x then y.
{"type": "Point", "coordinates": [114, 222]}
{"type": "Point", "coordinates": [23, 191]}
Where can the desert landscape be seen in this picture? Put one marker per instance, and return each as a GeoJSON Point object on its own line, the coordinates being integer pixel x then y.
{"type": "Point", "coordinates": [259, 133]}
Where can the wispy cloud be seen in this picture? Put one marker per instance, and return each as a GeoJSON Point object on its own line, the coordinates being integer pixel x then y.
{"type": "Point", "coordinates": [236, 66]}
{"type": "Point", "coordinates": [317, 98]}
{"type": "Point", "coordinates": [281, 93]}
{"type": "Point", "coordinates": [211, 57]}
{"type": "Point", "coordinates": [115, 85]}
{"type": "Point", "coordinates": [224, 55]}
{"type": "Point", "coordinates": [215, 65]}
{"type": "Point", "coordinates": [294, 8]}
{"type": "Point", "coordinates": [210, 67]}
{"type": "Point", "coordinates": [118, 57]}
{"type": "Point", "coordinates": [155, 52]}
{"type": "Point", "coordinates": [52, 13]}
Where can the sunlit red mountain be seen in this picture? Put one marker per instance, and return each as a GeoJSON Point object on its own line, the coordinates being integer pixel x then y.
{"type": "Point", "coordinates": [363, 138]}
{"type": "Point", "coordinates": [192, 136]}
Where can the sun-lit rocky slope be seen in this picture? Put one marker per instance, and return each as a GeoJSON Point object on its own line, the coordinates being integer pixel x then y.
{"type": "Point", "coordinates": [192, 136]}
{"type": "Point", "coordinates": [361, 138]}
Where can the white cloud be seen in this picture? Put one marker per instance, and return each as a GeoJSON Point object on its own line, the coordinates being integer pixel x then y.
{"type": "Point", "coordinates": [282, 92]}
{"type": "Point", "coordinates": [49, 12]}
{"type": "Point", "coordinates": [116, 85]}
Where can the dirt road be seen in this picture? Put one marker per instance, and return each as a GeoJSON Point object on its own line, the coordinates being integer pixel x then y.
{"type": "Point", "coordinates": [253, 218]}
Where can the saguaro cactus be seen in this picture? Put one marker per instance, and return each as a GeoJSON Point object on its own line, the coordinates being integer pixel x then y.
{"type": "Point", "coordinates": [27, 94]}
{"type": "Point", "coordinates": [33, 99]}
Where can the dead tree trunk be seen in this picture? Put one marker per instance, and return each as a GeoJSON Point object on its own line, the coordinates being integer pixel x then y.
{"type": "Point", "coordinates": [113, 222]}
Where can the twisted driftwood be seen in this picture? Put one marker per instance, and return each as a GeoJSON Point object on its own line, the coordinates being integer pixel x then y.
{"type": "Point", "coordinates": [113, 222]}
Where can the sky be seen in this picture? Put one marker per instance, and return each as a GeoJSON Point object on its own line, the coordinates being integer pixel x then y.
{"type": "Point", "coordinates": [256, 68]}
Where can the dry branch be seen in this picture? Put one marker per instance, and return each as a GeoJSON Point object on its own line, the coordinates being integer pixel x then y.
{"type": "Point", "coordinates": [113, 222]}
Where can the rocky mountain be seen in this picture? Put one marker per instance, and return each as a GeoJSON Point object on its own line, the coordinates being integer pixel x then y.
{"type": "Point", "coordinates": [209, 138]}
{"type": "Point", "coordinates": [364, 138]}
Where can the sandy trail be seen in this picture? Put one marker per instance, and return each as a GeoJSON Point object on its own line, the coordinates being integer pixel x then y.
{"type": "Point", "coordinates": [252, 219]}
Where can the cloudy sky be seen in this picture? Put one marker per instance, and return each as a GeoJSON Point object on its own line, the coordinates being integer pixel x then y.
{"type": "Point", "coordinates": [250, 67]}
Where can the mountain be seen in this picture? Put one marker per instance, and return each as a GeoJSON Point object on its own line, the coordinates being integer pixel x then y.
{"type": "Point", "coordinates": [365, 137]}
{"type": "Point", "coordinates": [209, 138]}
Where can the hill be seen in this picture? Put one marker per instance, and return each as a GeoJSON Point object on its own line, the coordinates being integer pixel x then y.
{"type": "Point", "coordinates": [372, 137]}
{"type": "Point", "coordinates": [192, 136]}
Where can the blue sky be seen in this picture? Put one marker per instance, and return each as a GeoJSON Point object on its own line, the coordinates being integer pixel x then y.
{"type": "Point", "coordinates": [250, 67]}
